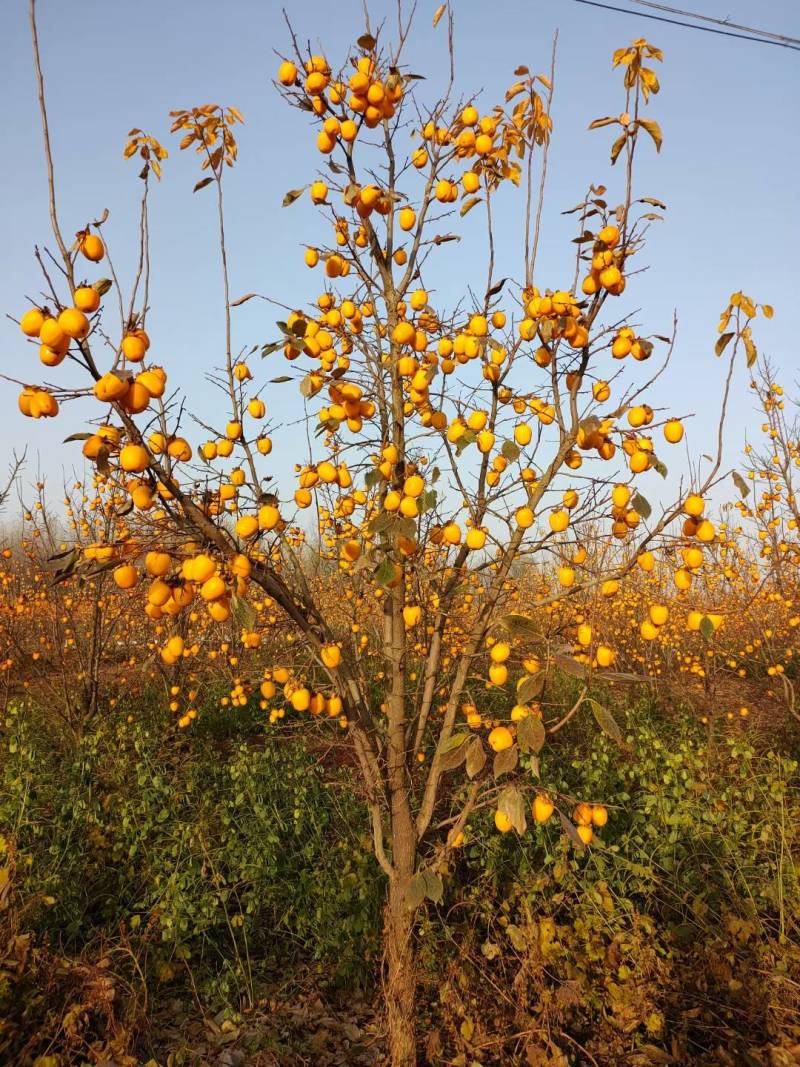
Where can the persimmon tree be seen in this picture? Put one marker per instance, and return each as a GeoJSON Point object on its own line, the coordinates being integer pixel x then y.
{"type": "Point", "coordinates": [452, 448]}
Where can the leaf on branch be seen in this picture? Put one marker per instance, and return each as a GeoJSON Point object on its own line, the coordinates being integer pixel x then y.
{"type": "Point", "coordinates": [642, 505]}
{"type": "Point", "coordinates": [657, 465]}
{"type": "Point", "coordinates": [437, 15]}
{"type": "Point", "coordinates": [654, 130]}
{"type": "Point", "coordinates": [607, 121]}
{"type": "Point", "coordinates": [202, 184]}
{"type": "Point", "coordinates": [280, 380]}
{"type": "Point", "coordinates": [741, 484]}
{"type": "Point", "coordinates": [476, 757]}
{"type": "Point", "coordinates": [424, 885]}
{"type": "Point", "coordinates": [384, 572]}
{"type": "Point", "coordinates": [706, 628]}
{"type": "Point", "coordinates": [606, 721]}
{"type": "Point", "coordinates": [454, 751]}
{"type": "Point", "coordinates": [366, 41]}
{"type": "Point", "coordinates": [510, 450]}
{"type": "Point", "coordinates": [571, 832]}
{"type": "Point", "coordinates": [749, 346]}
{"type": "Point", "coordinates": [244, 614]}
{"type": "Point", "coordinates": [617, 147]}
{"type": "Point", "coordinates": [530, 734]}
{"type": "Point", "coordinates": [521, 71]}
{"type": "Point", "coordinates": [530, 687]}
{"type": "Point", "coordinates": [506, 761]}
{"type": "Point", "coordinates": [521, 626]}
{"type": "Point", "coordinates": [443, 238]}
{"type": "Point", "coordinates": [569, 665]}
{"type": "Point", "coordinates": [243, 300]}
{"type": "Point", "coordinates": [291, 196]}
{"type": "Point", "coordinates": [495, 288]}
{"type": "Point", "coordinates": [83, 436]}
{"type": "Point", "coordinates": [510, 802]}
{"type": "Point", "coordinates": [722, 344]}
{"type": "Point", "coordinates": [102, 285]}
{"type": "Point", "coordinates": [652, 200]}
{"type": "Point", "coordinates": [468, 205]}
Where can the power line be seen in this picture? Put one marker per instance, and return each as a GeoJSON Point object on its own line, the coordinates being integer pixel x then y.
{"type": "Point", "coordinates": [692, 26]}
{"type": "Point", "coordinates": [719, 22]}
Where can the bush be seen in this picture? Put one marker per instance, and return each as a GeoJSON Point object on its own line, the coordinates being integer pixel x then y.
{"type": "Point", "coordinates": [228, 862]}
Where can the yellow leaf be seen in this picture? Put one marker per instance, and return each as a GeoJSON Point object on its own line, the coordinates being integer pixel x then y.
{"type": "Point", "coordinates": [768, 310]}
{"type": "Point", "coordinates": [440, 10]}
{"type": "Point", "coordinates": [653, 129]}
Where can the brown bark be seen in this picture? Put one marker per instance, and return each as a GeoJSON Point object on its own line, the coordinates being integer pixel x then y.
{"type": "Point", "coordinates": [401, 980]}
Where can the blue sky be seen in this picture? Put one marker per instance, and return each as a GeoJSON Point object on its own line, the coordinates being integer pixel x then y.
{"type": "Point", "coordinates": [728, 172]}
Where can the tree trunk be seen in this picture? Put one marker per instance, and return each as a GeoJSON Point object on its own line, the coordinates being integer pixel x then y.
{"type": "Point", "coordinates": [400, 987]}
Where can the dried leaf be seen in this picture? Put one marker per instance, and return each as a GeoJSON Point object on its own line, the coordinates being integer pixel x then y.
{"type": "Point", "coordinates": [722, 343]}
{"type": "Point", "coordinates": [741, 484]}
{"type": "Point", "coordinates": [291, 196]}
{"type": "Point", "coordinates": [440, 10]}
{"type": "Point", "coordinates": [202, 184]}
{"type": "Point", "coordinates": [653, 129]}
{"type": "Point", "coordinates": [510, 802]}
{"type": "Point", "coordinates": [505, 762]}
{"type": "Point", "coordinates": [617, 147]}
{"type": "Point", "coordinates": [476, 757]}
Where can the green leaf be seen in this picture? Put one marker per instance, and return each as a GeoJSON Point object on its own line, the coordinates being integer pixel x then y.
{"type": "Point", "coordinates": [244, 614]}
{"type": "Point", "coordinates": [424, 885]}
{"type": "Point", "coordinates": [385, 572]}
{"type": "Point", "coordinates": [372, 478]}
{"type": "Point", "coordinates": [510, 450]}
{"type": "Point", "coordinates": [510, 802]}
{"type": "Point", "coordinates": [521, 626]}
{"type": "Point", "coordinates": [722, 343]}
{"type": "Point", "coordinates": [606, 721]}
{"type": "Point", "coordinates": [77, 437]}
{"type": "Point", "coordinates": [640, 504]}
{"type": "Point", "coordinates": [530, 734]}
{"type": "Point", "coordinates": [706, 628]}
